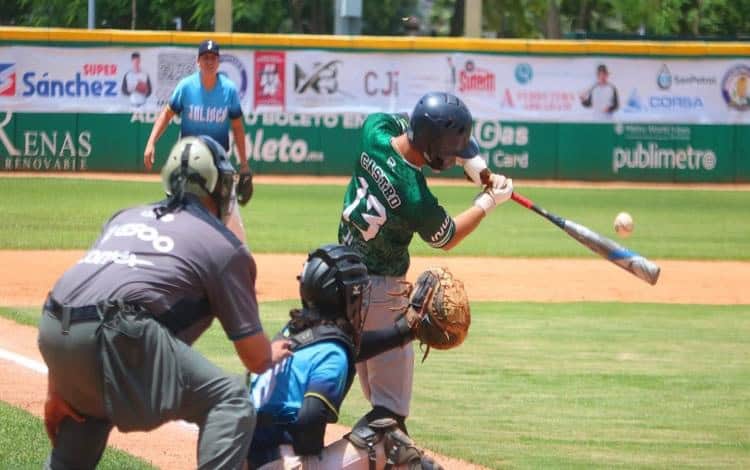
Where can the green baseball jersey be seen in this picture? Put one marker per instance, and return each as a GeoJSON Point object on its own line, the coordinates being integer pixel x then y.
{"type": "Point", "coordinates": [387, 201]}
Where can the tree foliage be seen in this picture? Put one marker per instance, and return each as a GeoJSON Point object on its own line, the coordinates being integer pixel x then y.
{"type": "Point", "coordinates": [651, 18]}
{"type": "Point", "coordinates": [501, 18]}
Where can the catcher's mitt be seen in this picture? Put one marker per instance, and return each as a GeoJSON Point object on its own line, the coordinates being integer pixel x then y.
{"type": "Point", "coordinates": [438, 313]}
{"type": "Point", "coordinates": [245, 187]}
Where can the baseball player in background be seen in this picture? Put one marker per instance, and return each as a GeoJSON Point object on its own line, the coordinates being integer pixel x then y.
{"type": "Point", "coordinates": [208, 104]}
{"type": "Point", "coordinates": [301, 395]}
{"type": "Point", "coordinates": [116, 328]}
{"type": "Point", "coordinates": [136, 84]}
{"type": "Point", "coordinates": [602, 96]}
{"type": "Point", "coordinates": [387, 201]}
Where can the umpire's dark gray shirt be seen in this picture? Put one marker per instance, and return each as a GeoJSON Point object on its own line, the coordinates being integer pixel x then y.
{"type": "Point", "coordinates": [185, 268]}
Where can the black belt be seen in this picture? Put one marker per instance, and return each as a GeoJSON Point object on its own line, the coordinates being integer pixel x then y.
{"type": "Point", "coordinates": [69, 315]}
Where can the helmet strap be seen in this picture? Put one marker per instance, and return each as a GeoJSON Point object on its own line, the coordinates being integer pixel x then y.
{"type": "Point", "coordinates": [177, 183]}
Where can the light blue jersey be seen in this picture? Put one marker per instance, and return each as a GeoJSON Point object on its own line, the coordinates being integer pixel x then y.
{"type": "Point", "coordinates": [206, 112]}
{"type": "Point", "coordinates": [319, 370]}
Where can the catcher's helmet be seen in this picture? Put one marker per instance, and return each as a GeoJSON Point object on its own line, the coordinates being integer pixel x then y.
{"type": "Point", "coordinates": [334, 283]}
{"type": "Point", "coordinates": [200, 165]}
{"type": "Point", "coordinates": [440, 127]}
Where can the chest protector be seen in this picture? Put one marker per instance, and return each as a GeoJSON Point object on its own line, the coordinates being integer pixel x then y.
{"type": "Point", "coordinates": [321, 333]}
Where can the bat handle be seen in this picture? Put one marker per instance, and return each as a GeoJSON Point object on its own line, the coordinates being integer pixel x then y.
{"type": "Point", "coordinates": [521, 200]}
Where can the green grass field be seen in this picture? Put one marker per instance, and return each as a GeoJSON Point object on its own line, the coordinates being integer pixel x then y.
{"type": "Point", "coordinates": [574, 385]}
{"type": "Point", "coordinates": [49, 213]}
{"type": "Point", "coordinates": [24, 445]}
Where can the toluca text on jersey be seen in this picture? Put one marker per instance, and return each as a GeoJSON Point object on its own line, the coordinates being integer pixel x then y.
{"type": "Point", "coordinates": [207, 114]}
{"type": "Point", "coordinates": [369, 165]}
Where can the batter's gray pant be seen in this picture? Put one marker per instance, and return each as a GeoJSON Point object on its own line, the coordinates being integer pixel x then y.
{"type": "Point", "coordinates": [130, 372]}
{"type": "Point", "coordinates": [386, 379]}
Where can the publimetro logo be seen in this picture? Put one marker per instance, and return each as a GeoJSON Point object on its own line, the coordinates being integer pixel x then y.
{"type": "Point", "coordinates": [7, 79]}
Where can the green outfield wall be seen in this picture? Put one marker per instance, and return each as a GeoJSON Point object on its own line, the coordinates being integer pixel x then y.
{"type": "Point", "coordinates": [327, 144]}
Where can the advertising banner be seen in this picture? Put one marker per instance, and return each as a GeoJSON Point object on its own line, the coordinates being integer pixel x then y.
{"type": "Point", "coordinates": [328, 144]}
{"type": "Point", "coordinates": [105, 80]}
{"type": "Point", "coordinates": [524, 88]}
{"type": "Point", "coordinates": [647, 152]}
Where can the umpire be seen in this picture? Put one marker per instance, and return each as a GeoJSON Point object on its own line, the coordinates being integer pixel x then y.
{"type": "Point", "coordinates": [117, 326]}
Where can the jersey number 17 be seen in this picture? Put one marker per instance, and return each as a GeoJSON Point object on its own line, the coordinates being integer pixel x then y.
{"type": "Point", "coordinates": [366, 212]}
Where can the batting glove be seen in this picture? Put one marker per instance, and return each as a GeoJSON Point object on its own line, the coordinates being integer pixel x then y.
{"type": "Point", "coordinates": [494, 195]}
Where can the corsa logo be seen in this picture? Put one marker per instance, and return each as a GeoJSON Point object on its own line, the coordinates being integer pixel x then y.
{"type": "Point", "coordinates": [7, 80]}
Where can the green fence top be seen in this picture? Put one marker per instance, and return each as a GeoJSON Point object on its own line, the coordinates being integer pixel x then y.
{"type": "Point", "coordinates": [97, 37]}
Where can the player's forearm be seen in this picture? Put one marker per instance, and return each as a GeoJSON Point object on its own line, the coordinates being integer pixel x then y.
{"type": "Point", "coordinates": [308, 431]}
{"type": "Point", "coordinates": [160, 125]}
{"type": "Point", "coordinates": [375, 342]}
{"type": "Point", "coordinates": [238, 129]}
{"type": "Point", "coordinates": [466, 222]}
{"type": "Point", "coordinates": [255, 352]}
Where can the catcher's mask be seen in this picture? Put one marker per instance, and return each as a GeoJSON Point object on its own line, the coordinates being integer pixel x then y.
{"type": "Point", "coordinates": [440, 127]}
{"type": "Point", "coordinates": [334, 283]}
{"type": "Point", "coordinates": [200, 165]}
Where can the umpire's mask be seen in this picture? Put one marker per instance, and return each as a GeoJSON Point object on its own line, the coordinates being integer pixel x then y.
{"type": "Point", "coordinates": [200, 165]}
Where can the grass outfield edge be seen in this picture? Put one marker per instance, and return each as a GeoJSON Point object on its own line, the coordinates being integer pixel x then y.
{"type": "Point", "coordinates": [433, 181]}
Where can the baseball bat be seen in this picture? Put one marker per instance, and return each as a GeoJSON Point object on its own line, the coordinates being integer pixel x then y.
{"type": "Point", "coordinates": [601, 245]}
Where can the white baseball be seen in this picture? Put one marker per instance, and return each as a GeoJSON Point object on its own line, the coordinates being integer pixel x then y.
{"type": "Point", "coordinates": [623, 224]}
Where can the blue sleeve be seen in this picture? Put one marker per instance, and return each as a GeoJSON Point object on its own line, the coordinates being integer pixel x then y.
{"type": "Point", "coordinates": [175, 102]}
{"type": "Point", "coordinates": [235, 109]}
{"type": "Point", "coordinates": [327, 379]}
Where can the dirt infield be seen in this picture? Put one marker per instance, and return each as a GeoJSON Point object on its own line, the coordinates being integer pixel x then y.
{"type": "Point", "coordinates": [28, 275]}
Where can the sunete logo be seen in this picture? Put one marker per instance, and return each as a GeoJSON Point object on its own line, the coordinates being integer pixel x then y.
{"type": "Point", "coordinates": [44, 150]}
{"type": "Point", "coordinates": [475, 79]}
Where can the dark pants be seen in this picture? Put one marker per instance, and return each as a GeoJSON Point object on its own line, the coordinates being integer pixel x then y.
{"type": "Point", "coordinates": [130, 372]}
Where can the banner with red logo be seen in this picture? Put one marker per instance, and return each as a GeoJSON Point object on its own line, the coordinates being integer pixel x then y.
{"type": "Point", "coordinates": [525, 88]}
{"type": "Point", "coordinates": [269, 79]}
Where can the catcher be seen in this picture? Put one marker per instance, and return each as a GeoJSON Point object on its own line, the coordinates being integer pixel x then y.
{"type": "Point", "coordinates": [297, 398]}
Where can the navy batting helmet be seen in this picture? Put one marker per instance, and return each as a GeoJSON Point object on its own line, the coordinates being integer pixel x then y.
{"type": "Point", "coordinates": [334, 283]}
{"type": "Point", "coordinates": [440, 127]}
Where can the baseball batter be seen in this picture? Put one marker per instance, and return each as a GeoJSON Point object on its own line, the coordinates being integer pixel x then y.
{"type": "Point", "coordinates": [388, 201]}
{"type": "Point", "coordinates": [116, 327]}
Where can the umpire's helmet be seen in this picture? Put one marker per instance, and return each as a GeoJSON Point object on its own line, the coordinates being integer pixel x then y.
{"type": "Point", "coordinates": [440, 127]}
{"type": "Point", "coordinates": [200, 165]}
{"type": "Point", "coordinates": [334, 283]}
